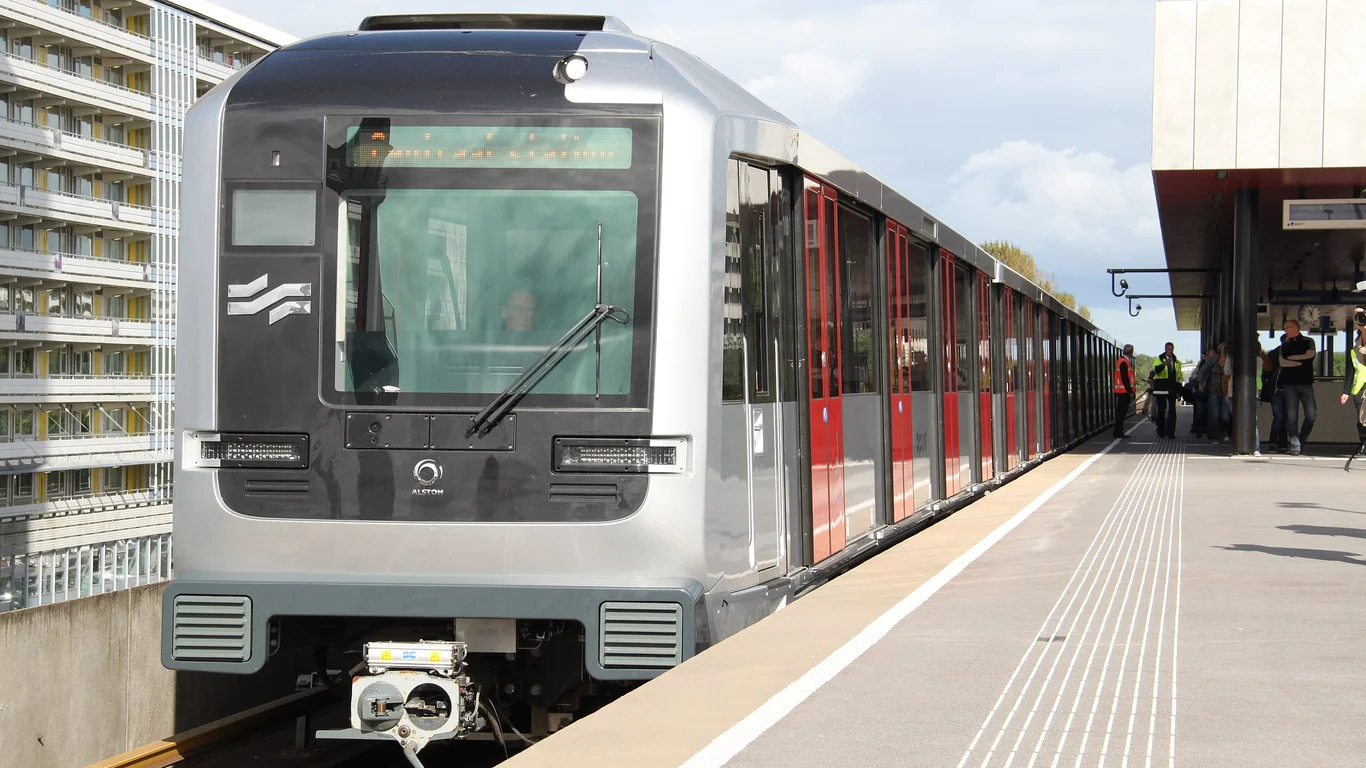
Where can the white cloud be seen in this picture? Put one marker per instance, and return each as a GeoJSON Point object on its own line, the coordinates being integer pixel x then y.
{"type": "Point", "coordinates": [1037, 197]}
{"type": "Point", "coordinates": [811, 80]}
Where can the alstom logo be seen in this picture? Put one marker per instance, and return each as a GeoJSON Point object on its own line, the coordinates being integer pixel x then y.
{"type": "Point", "coordinates": [277, 294]}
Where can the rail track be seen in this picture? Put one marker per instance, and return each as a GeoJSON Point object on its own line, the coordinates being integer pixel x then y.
{"type": "Point", "coordinates": [279, 734]}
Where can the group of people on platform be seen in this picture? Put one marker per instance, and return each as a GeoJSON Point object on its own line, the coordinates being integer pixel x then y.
{"type": "Point", "coordinates": [1287, 384]}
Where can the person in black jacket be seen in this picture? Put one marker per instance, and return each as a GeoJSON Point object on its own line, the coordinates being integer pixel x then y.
{"type": "Point", "coordinates": [1296, 382]}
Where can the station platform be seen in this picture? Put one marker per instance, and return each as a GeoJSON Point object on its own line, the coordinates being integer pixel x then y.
{"type": "Point", "coordinates": [1136, 602]}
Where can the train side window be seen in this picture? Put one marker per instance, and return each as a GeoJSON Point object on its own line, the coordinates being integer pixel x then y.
{"type": "Point", "coordinates": [274, 217]}
{"type": "Point", "coordinates": [732, 306]}
{"type": "Point", "coordinates": [756, 237]}
{"type": "Point", "coordinates": [917, 324]}
{"type": "Point", "coordinates": [856, 256]}
{"type": "Point", "coordinates": [747, 319]}
{"type": "Point", "coordinates": [962, 300]}
{"type": "Point", "coordinates": [815, 325]}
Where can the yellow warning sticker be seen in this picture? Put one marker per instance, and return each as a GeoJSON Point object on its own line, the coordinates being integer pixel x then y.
{"type": "Point", "coordinates": [386, 656]}
{"type": "Point", "coordinates": [436, 656]}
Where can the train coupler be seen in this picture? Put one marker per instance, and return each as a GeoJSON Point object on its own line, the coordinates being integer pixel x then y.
{"type": "Point", "coordinates": [413, 693]}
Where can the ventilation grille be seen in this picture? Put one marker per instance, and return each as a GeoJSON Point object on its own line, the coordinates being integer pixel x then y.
{"type": "Point", "coordinates": [641, 635]}
{"type": "Point", "coordinates": [211, 628]}
{"type": "Point", "coordinates": [575, 492]}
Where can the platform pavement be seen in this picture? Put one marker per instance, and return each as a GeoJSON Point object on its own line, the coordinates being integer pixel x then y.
{"type": "Point", "coordinates": [1171, 605]}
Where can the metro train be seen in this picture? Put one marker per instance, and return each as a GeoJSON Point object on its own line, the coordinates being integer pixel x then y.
{"type": "Point", "coordinates": [532, 357]}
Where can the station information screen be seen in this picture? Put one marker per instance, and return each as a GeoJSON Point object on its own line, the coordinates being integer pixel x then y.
{"type": "Point", "coordinates": [461, 146]}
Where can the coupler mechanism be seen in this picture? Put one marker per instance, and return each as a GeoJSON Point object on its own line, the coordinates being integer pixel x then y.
{"type": "Point", "coordinates": [413, 693]}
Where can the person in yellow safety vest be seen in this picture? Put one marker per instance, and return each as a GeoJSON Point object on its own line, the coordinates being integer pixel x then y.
{"type": "Point", "coordinates": [1166, 387]}
{"type": "Point", "coordinates": [1124, 388]}
{"type": "Point", "coordinates": [1355, 385]}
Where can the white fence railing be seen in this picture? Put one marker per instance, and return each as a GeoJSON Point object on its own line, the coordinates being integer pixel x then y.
{"type": "Point", "coordinates": [43, 578]}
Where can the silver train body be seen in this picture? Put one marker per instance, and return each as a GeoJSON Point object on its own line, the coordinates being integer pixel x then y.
{"type": "Point", "coordinates": [805, 381]}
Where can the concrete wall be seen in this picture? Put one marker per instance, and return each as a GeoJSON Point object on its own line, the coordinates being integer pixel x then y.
{"type": "Point", "coordinates": [1259, 84]}
{"type": "Point", "coordinates": [82, 681]}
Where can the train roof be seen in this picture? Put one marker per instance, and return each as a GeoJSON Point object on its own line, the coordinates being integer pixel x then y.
{"type": "Point", "coordinates": [633, 60]}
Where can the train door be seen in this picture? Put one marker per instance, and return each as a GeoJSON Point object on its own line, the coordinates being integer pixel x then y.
{"type": "Point", "coordinates": [861, 393]}
{"type": "Point", "coordinates": [751, 496]}
{"type": "Point", "coordinates": [948, 323]}
{"type": "Point", "coordinates": [900, 404]}
{"type": "Point", "coordinates": [1012, 383]}
{"type": "Point", "coordinates": [759, 262]}
{"type": "Point", "coordinates": [1045, 328]}
{"type": "Point", "coordinates": [986, 442]}
{"type": "Point", "coordinates": [1025, 313]}
{"type": "Point", "coordinates": [820, 214]}
{"type": "Point", "coordinates": [967, 403]}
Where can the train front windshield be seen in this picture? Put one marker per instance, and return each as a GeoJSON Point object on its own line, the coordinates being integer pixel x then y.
{"type": "Point", "coordinates": [464, 252]}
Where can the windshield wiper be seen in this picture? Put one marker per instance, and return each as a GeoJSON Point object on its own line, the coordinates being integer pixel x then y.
{"type": "Point", "coordinates": [488, 418]}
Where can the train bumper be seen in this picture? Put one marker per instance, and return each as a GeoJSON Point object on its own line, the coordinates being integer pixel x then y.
{"type": "Point", "coordinates": [223, 625]}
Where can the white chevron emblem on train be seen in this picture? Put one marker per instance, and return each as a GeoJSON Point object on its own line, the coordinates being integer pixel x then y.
{"type": "Point", "coordinates": [278, 293]}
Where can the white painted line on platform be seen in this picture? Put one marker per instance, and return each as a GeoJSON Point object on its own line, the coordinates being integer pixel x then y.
{"type": "Point", "coordinates": [740, 735]}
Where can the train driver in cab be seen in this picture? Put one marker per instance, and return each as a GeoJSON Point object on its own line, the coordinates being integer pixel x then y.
{"type": "Point", "coordinates": [519, 310]}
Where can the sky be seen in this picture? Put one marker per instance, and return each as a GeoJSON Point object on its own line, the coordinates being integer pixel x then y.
{"type": "Point", "coordinates": [1019, 120]}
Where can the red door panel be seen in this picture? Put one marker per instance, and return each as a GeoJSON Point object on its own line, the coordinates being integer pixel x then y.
{"type": "Point", "coordinates": [834, 370]}
{"type": "Point", "coordinates": [984, 377]}
{"type": "Point", "coordinates": [903, 434]}
{"type": "Point", "coordinates": [823, 357]}
{"type": "Point", "coordinates": [816, 359]}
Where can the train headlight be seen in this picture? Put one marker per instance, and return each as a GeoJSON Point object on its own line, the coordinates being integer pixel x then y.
{"type": "Point", "coordinates": [621, 455]}
{"type": "Point", "coordinates": [212, 450]}
{"type": "Point", "coordinates": [571, 69]}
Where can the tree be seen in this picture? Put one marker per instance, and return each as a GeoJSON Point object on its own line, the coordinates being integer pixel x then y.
{"type": "Point", "coordinates": [1022, 261]}
{"type": "Point", "coordinates": [1015, 257]}
{"type": "Point", "coordinates": [1143, 366]}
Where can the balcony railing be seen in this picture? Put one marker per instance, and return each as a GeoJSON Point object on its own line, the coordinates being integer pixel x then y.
{"type": "Point", "coordinates": [79, 328]}
{"type": "Point", "coordinates": [107, 35]}
{"type": "Point", "coordinates": [105, 269]}
{"type": "Point", "coordinates": [67, 145]}
{"type": "Point", "coordinates": [213, 70]}
{"type": "Point", "coordinates": [80, 503]}
{"type": "Point", "coordinates": [30, 73]}
{"type": "Point", "coordinates": [80, 386]}
{"type": "Point", "coordinates": [80, 208]}
{"type": "Point", "coordinates": [143, 555]}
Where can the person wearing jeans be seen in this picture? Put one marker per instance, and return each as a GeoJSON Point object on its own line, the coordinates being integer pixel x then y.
{"type": "Point", "coordinates": [1216, 395]}
{"type": "Point", "coordinates": [1199, 424]}
{"type": "Point", "coordinates": [1297, 385]}
{"type": "Point", "coordinates": [1166, 388]}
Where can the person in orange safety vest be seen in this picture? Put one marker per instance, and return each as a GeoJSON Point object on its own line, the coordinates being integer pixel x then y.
{"type": "Point", "coordinates": [1124, 389]}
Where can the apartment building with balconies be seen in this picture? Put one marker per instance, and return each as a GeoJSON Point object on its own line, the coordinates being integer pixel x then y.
{"type": "Point", "coordinates": [93, 95]}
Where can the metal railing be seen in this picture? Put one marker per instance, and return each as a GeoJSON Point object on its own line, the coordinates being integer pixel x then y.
{"type": "Point", "coordinates": [74, 196]}
{"type": "Point", "coordinates": [80, 503]}
{"type": "Point", "coordinates": [74, 135]}
{"type": "Point", "coordinates": [104, 19]}
{"type": "Point", "coordinates": [123, 260]}
{"type": "Point", "coordinates": [68, 437]}
{"type": "Point", "coordinates": [78, 75]}
{"type": "Point", "coordinates": [73, 316]}
{"type": "Point", "coordinates": [54, 576]}
{"type": "Point", "coordinates": [124, 376]}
